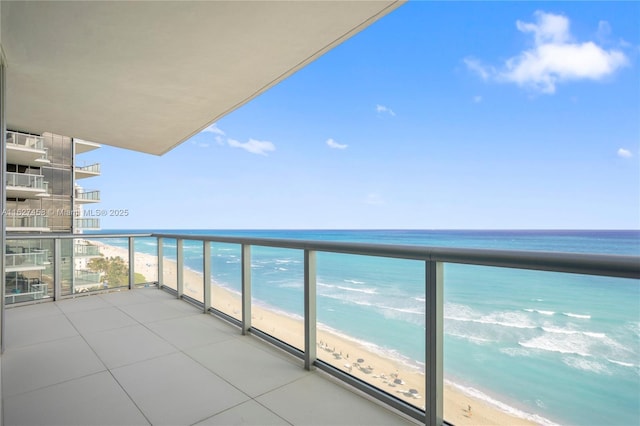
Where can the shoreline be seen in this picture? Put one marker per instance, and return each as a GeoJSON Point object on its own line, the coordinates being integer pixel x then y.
{"type": "Point", "coordinates": [390, 374]}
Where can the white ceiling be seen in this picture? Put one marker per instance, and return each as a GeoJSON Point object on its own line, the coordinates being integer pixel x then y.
{"type": "Point", "coordinates": [148, 75]}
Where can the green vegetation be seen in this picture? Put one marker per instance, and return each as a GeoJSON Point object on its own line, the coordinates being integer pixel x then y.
{"type": "Point", "coordinates": [114, 270]}
{"type": "Point", "coordinates": [138, 278]}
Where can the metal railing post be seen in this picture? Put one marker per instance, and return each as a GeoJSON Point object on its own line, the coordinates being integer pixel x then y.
{"type": "Point", "coordinates": [434, 317]}
{"type": "Point", "coordinates": [310, 341]}
{"type": "Point", "coordinates": [160, 261]}
{"type": "Point", "coordinates": [206, 270]}
{"type": "Point", "coordinates": [132, 263]}
{"type": "Point", "coordinates": [3, 198]}
{"type": "Point", "coordinates": [179, 272]}
{"type": "Point", "coordinates": [246, 288]}
{"type": "Point", "coordinates": [57, 266]}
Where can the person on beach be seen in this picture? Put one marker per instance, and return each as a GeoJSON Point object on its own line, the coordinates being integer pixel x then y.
{"type": "Point", "coordinates": [469, 410]}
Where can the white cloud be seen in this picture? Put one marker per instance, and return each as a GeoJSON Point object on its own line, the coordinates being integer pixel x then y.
{"type": "Point", "coordinates": [624, 153]}
{"type": "Point", "coordinates": [554, 58]}
{"type": "Point", "coordinates": [477, 99]}
{"type": "Point", "coordinates": [335, 145]}
{"type": "Point", "coordinates": [214, 129]}
{"type": "Point", "coordinates": [253, 146]}
{"type": "Point", "coordinates": [380, 109]}
{"type": "Point", "coordinates": [483, 71]}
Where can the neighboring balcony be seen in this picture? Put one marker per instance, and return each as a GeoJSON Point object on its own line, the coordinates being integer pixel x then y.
{"type": "Point", "coordinates": [86, 250]}
{"type": "Point", "coordinates": [26, 149]}
{"type": "Point", "coordinates": [27, 224]}
{"type": "Point", "coordinates": [84, 146]}
{"type": "Point", "coordinates": [84, 281]}
{"type": "Point", "coordinates": [34, 260]}
{"type": "Point", "coordinates": [86, 224]}
{"type": "Point", "coordinates": [24, 185]}
{"type": "Point", "coordinates": [87, 197]}
{"type": "Point", "coordinates": [91, 170]}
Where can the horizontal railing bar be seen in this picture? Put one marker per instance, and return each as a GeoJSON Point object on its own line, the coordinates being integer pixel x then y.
{"type": "Point", "coordinates": [619, 266]}
{"type": "Point", "coordinates": [67, 236]}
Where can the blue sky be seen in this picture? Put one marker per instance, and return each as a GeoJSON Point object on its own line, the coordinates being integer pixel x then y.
{"type": "Point", "coordinates": [486, 115]}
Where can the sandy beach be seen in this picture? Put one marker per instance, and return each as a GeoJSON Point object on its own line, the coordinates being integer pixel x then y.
{"type": "Point", "coordinates": [394, 376]}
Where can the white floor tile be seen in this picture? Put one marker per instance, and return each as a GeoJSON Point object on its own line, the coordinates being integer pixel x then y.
{"type": "Point", "coordinates": [36, 366]}
{"type": "Point", "coordinates": [249, 413]}
{"type": "Point", "coordinates": [90, 400]}
{"type": "Point", "coordinates": [176, 390]}
{"type": "Point", "coordinates": [126, 345]}
{"type": "Point", "coordinates": [252, 370]}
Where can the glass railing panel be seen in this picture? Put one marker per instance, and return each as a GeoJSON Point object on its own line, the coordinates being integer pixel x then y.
{"type": "Point", "coordinates": [27, 221]}
{"type": "Point", "coordinates": [277, 289]}
{"type": "Point", "coordinates": [89, 195]}
{"type": "Point", "coordinates": [107, 269]}
{"type": "Point", "coordinates": [146, 260]}
{"type": "Point", "coordinates": [549, 347]}
{"type": "Point", "coordinates": [92, 168]}
{"type": "Point", "coordinates": [371, 321]}
{"type": "Point", "coordinates": [25, 140]}
{"type": "Point", "coordinates": [26, 180]}
{"type": "Point", "coordinates": [84, 223]}
{"type": "Point", "coordinates": [192, 271]}
{"type": "Point", "coordinates": [169, 263]}
{"type": "Point", "coordinates": [226, 279]}
{"type": "Point", "coordinates": [26, 266]}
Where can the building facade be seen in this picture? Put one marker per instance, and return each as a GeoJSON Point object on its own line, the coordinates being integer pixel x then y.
{"type": "Point", "coordinates": [44, 194]}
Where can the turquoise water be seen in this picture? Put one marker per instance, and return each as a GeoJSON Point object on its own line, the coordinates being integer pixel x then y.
{"type": "Point", "coordinates": [557, 348]}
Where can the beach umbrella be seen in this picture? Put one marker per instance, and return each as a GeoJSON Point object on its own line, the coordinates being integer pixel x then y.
{"type": "Point", "coordinates": [398, 382]}
{"type": "Point", "coordinates": [413, 391]}
{"type": "Point", "coordinates": [360, 360]}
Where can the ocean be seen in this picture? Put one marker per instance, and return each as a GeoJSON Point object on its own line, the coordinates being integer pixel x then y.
{"type": "Point", "coordinates": [554, 348]}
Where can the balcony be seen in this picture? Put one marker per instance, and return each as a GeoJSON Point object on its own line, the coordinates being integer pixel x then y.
{"type": "Point", "coordinates": [91, 170]}
{"type": "Point", "coordinates": [27, 224]}
{"type": "Point", "coordinates": [82, 146]}
{"type": "Point", "coordinates": [26, 150]}
{"type": "Point", "coordinates": [87, 197]}
{"type": "Point", "coordinates": [24, 185]}
{"type": "Point", "coordinates": [85, 250]}
{"type": "Point", "coordinates": [86, 224]}
{"type": "Point", "coordinates": [205, 367]}
{"type": "Point", "coordinates": [84, 281]}
{"type": "Point", "coordinates": [27, 261]}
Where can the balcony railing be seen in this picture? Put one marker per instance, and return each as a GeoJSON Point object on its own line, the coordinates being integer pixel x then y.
{"type": "Point", "coordinates": [89, 196]}
{"type": "Point", "coordinates": [86, 250]}
{"type": "Point", "coordinates": [84, 223]}
{"type": "Point", "coordinates": [25, 180]}
{"type": "Point", "coordinates": [25, 140]}
{"type": "Point", "coordinates": [25, 260]}
{"type": "Point", "coordinates": [92, 168]}
{"type": "Point", "coordinates": [27, 222]}
{"type": "Point", "coordinates": [311, 349]}
{"type": "Point", "coordinates": [84, 281]}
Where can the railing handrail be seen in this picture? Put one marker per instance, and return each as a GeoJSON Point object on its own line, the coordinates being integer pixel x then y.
{"type": "Point", "coordinates": [24, 174]}
{"type": "Point", "coordinates": [89, 167]}
{"type": "Point", "coordinates": [621, 266]}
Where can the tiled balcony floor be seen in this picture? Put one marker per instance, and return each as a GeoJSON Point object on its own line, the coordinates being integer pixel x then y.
{"type": "Point", "coordinates": [144, 357]}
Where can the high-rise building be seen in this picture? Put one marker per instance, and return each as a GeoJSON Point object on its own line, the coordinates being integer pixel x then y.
{"type": "Point", "coordinates": [43, 195]}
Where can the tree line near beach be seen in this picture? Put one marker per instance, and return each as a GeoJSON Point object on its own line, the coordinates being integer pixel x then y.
{"type": "Point", "coordinates": [114, 271]}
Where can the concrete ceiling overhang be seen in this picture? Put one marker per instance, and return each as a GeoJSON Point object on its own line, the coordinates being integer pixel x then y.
{"type": "Point", "coordinates": [149, 75]}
